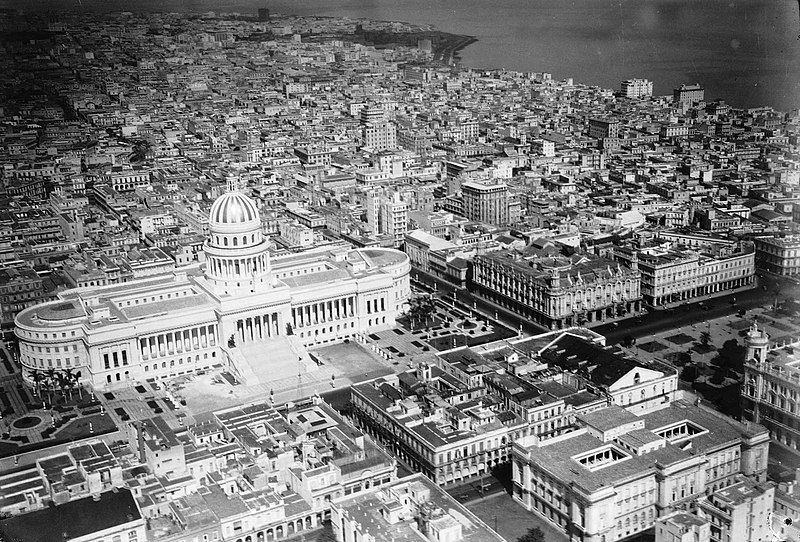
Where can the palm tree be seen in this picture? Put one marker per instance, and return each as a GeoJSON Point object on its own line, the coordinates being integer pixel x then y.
{"type": "Point", "coordinates": [421, 307]}
{"type": "Point", "coordinates": [65, 383]}
{"type": "Point", "coordinates": [72, 377]}
{"type": "Point", "coordinates": [37, 377]}
{"type": "Point", "coordinates": [51, 382]}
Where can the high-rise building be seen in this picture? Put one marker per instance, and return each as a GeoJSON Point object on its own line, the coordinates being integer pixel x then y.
{"type": "Point", "coordinates": [636, 88]}
{"type": "Point", "coordinates": [394, 219]}
{"type": "Point", "coordinates": [380, 136]}
{"type": "Point", "coordinates": [688, 95]}
{"type": "Point", "coordinates": [485, 202]}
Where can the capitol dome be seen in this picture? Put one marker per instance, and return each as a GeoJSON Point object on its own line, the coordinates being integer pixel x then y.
{"type": "Point", "coordinates": [233, 208]}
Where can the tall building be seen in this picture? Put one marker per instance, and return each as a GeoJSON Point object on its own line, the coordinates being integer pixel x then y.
{"type": "Point", "coordinates": [636, 88]}
{"type": "Point", "coordinates": [688, 95]}
{"type": "Point", "coordinates": [485, 202]}
{"type": "Point", "coordinates": [380, 136]}
{"type": "Point", "coordinates": [243, 300]}
{"type": "Point", "coordinates": [394, 219]}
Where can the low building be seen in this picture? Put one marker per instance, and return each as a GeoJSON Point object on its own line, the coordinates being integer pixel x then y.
{"type": "Point", "coordinates": [670, 275]}
{"type": "Point", "coordinates": [682, 526]}
{"type": "Point", "coordinates": [453, 435]}
{"type": "Point", "coordinates": [741, 511]}
{"type": "Point", "coordinates": [412, 508]}
{"type": "Point", "coordinates": [113, 515]}
{"type": "Point", "coordinates": [779, 255]}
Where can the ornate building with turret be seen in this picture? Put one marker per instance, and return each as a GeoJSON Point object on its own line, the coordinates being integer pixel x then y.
{"type": "Point", "coordinates": [771, 390]}
{"type": "Point", "coordinates": [558, 292]}
{"type": "Point", "coordinates": [245, 311]}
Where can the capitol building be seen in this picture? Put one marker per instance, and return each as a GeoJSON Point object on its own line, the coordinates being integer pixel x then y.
{"type": "Point", "coordinates": [247, 312]}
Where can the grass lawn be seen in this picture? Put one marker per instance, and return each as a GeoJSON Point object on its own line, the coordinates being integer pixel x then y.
{"type": "Point", "coordinates": [79, 428]}
{"type": "Point", "coordinates": [513, 520]}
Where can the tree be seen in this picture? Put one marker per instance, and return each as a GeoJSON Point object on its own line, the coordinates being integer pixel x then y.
{"type": "Point", "coordinates": [63, 383]}
{"type": "Point", "coordinates": [534, 534]}
{"type": "Point", "coordinates": [37, 377]}
{"type": "Point", "coordinates": [705, 338]}
{"type": "Point", "coordinates": [421, 308]}
{"type": "Point", "coordinates": [51, 383]}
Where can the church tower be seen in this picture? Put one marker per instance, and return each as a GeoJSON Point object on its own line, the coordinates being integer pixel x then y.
{"type": "Point", "coordinates": [237, 261]}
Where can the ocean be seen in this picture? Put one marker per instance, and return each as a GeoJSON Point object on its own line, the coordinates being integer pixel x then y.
{"type": "Point", "coordinates": [746, 52]}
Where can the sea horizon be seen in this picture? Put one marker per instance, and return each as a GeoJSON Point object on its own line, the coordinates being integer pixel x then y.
{"type": "Point", "coordinates": [746, 53]}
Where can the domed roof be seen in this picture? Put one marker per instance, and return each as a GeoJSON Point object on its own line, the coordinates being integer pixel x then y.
{"type": "Point", "coordinates": [233, 208]}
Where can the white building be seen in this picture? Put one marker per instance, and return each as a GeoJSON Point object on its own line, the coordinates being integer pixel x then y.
{"type": "Point", "coordinates": [636, 88]}
{"type": "Point", "coordinates": [164, 326]}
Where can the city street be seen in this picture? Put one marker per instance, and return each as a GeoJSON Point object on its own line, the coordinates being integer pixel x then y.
{"type": "Point", "coordinates": [654, 321]}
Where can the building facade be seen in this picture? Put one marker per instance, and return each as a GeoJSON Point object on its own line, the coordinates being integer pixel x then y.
{"type": "Point", "coordinates": [778, 255]}
{"type": "Point", "coordinates": [636, 88]}
{"type": "Point", "coordinates": [119, 333]}
{"type": "Point", "coordinates": [677, 275]}
{"type": "Point", "coordinates": [771, 390]}
{"type": "Point", "coordinates": [615, 476]}
{"type": "Point", "coordinates": [558, 292]}
{"type": "Point", "coordinates": [486, 203]}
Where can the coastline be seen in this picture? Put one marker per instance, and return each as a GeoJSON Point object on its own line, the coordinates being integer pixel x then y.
{"type": "Point", "coordinates": [449, 51]}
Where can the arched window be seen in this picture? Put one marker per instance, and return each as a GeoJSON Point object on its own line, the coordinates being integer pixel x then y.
{"type": "Point", "coordinates": [225, 241]}
{"type": "Point", "coordinates": [235, 241]}
{"type": "Point", "coordinates": [636, 379]}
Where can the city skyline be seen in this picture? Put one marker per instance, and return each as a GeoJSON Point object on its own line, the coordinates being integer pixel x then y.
{"type": "Point", "coordinates": [269, 276]}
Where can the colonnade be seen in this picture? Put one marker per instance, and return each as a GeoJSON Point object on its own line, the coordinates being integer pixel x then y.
{"type": "Point", "coordinates": [323, 311]}
{"type": "Point", "coordinates": [256, 328]}
{"type": "Point", "coordinates": [177, 342]}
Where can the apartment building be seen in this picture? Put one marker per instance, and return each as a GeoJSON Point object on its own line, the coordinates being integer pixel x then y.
{"type": "Point", "coordinates": [779, 255]}
{"type": "Point", "coordinates": [670, 275]}
{"type": "Point", "coordinates": [636, 88]}
{"type": "Point", "coordinates": [453, 435]}
{"type": "Point", "coordinates": [485, 202]}
{"type": "Point", "coordinates": [741, 511]}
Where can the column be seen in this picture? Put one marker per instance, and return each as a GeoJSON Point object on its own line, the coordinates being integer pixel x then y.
{"type": "Point", "coordinates": [203, 337]}
{"type": "Point", "coordinates": [294, 317]}
{"type": "Point", "coordinates": [275, 317]}
{"type": "Point", "coordinates": [212, 336]}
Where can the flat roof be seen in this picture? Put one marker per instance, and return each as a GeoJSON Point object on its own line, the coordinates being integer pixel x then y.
{"type": "Point", "coordinates": [73, 519]}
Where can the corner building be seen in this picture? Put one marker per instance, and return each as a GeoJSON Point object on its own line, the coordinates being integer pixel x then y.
{"type": "Point", "coordinates": [244, 304]}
